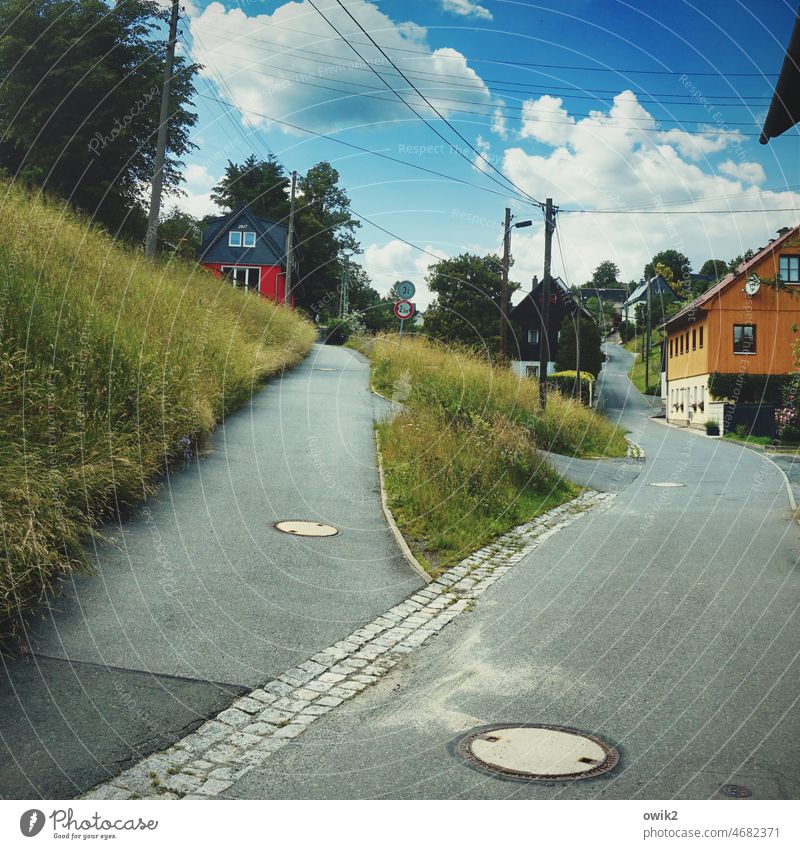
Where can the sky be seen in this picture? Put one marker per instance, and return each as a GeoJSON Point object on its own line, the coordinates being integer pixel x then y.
{"type": "Point", "coordinates": [608, 107]}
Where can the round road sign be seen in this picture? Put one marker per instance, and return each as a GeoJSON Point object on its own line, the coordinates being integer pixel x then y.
{"type": "Point", "coordinates": [404, 309]}
{"type": "Point", "coordinates": [406, 290]}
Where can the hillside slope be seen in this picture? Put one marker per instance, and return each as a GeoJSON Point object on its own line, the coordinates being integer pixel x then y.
{"type": "Point", "coordinates": [111, 369]}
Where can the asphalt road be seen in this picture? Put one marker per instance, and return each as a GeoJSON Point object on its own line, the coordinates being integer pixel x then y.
{"type": "Point", "coordinates": [666, 624]}
{"type": "Point", "coordinates": [200, 597]}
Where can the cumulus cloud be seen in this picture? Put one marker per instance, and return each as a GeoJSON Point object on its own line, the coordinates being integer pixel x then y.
{"type": "Point", "coordinates": [396, 260]}
{"type": "Point", "coordinates": [467, 9]}
{"type": "Point", "coordinates": [621, 159]}
{"type": "Point", "coordinates": [288, 65]}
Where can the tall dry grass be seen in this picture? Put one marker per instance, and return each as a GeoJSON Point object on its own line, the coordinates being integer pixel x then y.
{"type": "Point", "coordinates": [463, 461]}
{"type": "Point", "coordinates": [109, 367]}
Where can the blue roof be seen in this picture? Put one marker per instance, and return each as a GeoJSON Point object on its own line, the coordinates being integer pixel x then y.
{"type": "Point", "coordinates": [270, 247]}
{"type": "Point", "coordinates": [658, 286]}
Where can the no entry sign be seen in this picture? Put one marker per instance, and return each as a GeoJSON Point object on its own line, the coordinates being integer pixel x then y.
{"type": "Point", "coordinates": [404, 309]}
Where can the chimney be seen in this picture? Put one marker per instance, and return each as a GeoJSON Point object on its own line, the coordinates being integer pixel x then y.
{"type": "Point", "coordinates": [534, 283]}
{"type": "Point", "coordinates": [782, 231]}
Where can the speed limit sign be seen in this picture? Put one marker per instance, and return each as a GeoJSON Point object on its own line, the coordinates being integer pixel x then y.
{"type": "Point", "coordinates": [406, 290]}
{"type": "Point", "coordinates": [404, 309]}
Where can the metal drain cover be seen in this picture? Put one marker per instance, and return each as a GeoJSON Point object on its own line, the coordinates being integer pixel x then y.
{"type": "Point", "coordinates": [537, 752]}
{"type": "Point", "coordinates": [300, 528]}
{"type": "Point", "coordinates": [735, 791]}
{"type": "Point", "coordinates": [667, 484]}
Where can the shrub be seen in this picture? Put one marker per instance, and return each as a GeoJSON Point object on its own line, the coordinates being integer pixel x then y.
{"type": "Point", "coordinates": [712, 428]}
{"type": "Point", "coordinates": [748, 388]}
{"type": "Point", "coordinates": [337, 332]}
{"type": "Point", "coordinates": [566, 383]}
{"type": "Point", "coordinates": [791, 433]}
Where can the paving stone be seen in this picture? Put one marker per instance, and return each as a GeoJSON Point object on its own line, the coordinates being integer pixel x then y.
{"type": "Point", "coordinates": [234, 717]}
{"type": "Point", "coordinates": [329, 701]}
{"type": "Point", "coordinates": [213, 787]}
{"type": "Point", "coordinates": [244, 740]}
{"type": "Point", "coordinates": [365, 679]}
{"type": "Point", "coordinates": [319, 686]}
{"type": "Point", "coordinates": [260, 729]}
{"type": "Point", "coordinates": [305, 695]}
{"type": "Point", "coordinates": [289, 731]}
{"type": "Point", "coordinates": [358, 686]}
{"type": "Point", "coordinates": [198, 766]}
{"type": "Point", "coordinates": [248, 705]}
{"type": "Point", "coordinates": [305, 718]}
{"type": "Point", "coordinates": [182, 783]}
{"type": "Point", "coordinates": [107, 792]}
{"type": "Point", "coordinates": [223, 773]}
{"type": "Point", "coordinates": [342, 693]}
{"type": "Point", "coordinates": [223, 753]}
{"type": "Point", "coordinates": [278, 688]}
{"type": "Point", "coordinates": [311, 666]}
{"type": "Point", "coordinates": [290, 704]}
{"type": "Point", "coordinates": [274, 716]}
{"type": "Point", "coordinates": [331, 678]}
{"type": "Point", "coordinates": [317, 709]}
{"type": "Point", "coordinates": [296, 677]}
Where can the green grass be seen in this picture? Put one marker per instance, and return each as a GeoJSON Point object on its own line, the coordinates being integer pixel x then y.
{"type": "Point", "coordinates": [462, 464]}
{"type": "Point", "coordinates": [107, 362]}
{"type": "Point", "coordinates": [637, 373]}
{"type": "Point", "coordinates": [748, 440]}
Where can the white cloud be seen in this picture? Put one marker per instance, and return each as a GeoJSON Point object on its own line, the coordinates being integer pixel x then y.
{"type": "Point", "coordinates": [285, 64]}
{"type": "Point", "coordinates": [396, 260]}
{"type": "Point", "coordinates": [621, 159]}
{"type": "Point", "coordinates": [199, 182]}
{"type": "Point", "coordinates": [467, 9]}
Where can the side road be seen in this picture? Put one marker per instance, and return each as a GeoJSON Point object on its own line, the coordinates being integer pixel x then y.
{"type": "Point", "coordinates": [201, 598]}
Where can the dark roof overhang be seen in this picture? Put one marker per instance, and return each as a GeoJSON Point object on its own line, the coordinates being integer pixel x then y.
{"type": "Point", "coordinates": [784, 111]}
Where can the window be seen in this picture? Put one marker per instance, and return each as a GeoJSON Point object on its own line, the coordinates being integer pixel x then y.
{"type": "Point", "coordinates": [531, 371]}
{"type": "Point", "coordinates": [694, 340]}
{"type": "Point", "coordinates": [681, 342]}
{"type": "Point", "coordinates": [240, 276]}
{"type": "Point", "coordinates": [744, 338]}
{"type": "Point", "coordinates": [790, 269]}
{"type": "Point", "coordinates": [234, 239]}
{"type": "Point", "coordinates": [533, 337]}
{"type": "Point", "coordinates": [687, 341]}
{"type": "Point", "coordinates": [249, 239]}
{"type": "Point", "coordinates": [241, 238]}
{"type": "Point", "coordinates": [670, 347]}
{"type": "Point", "coordinates": [701, 337]}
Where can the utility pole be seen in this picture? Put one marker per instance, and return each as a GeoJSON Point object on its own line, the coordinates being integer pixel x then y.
{"type": "Point", "coordinates": [647, 347]}
{"type": "Point", "coordinates": [290, 244]}
{"type": "Point", "coordinates": [578, 355]}
{"type": "Point", "coordinates": [504, 286]}
{"type": "Point", "coordinates": [344, 295]}
{"type": "Point", "coordinates": [151, 238]}
{"type": "Point", "coordinates": [544, 352]}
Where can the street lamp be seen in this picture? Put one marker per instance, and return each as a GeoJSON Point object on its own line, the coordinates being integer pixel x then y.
{"type": "Point", "coordinates": [508, 227]}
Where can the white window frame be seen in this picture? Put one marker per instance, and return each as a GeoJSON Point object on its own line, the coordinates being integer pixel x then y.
{"type": "Point", "coordinates": [533, 336]}
{"type": "Point", "coordinates": [245, 234]}
{"type": "Point", "coordinates": [231, 242]}
{"type": "Point", "coordinates": [235, 282]}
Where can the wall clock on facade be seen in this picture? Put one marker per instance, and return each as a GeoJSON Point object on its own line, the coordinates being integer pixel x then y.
{"type": "Point", "coordinates": [752, 285]}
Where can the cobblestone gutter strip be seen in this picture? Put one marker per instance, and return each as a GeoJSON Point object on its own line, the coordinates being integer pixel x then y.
{"type": "Point", "coordinates": [207, 762]}
{"type": "Point", "coordinates": [635, 451]}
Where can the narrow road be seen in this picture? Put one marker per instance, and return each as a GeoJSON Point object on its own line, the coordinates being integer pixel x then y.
{"type": "Point", "coordinates": [201, 598]}
{"type": "Point", "coordinates": [666, 624]}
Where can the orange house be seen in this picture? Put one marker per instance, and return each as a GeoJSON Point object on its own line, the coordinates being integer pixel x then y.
{"type": "Point", "coordinates": [743, 325]}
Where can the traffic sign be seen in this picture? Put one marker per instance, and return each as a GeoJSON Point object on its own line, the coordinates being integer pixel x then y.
{"type": "Point", "coordinates": [404, 309]}
{"type": "Point", "coordinates": [406, 290]}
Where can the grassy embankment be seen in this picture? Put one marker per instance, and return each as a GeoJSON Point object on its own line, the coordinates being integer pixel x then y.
{"type": "Point", "coordinates": [635, 346]}
{"type": "Point", "coordinates": [462, 463]}
{"type": "Point", "coordinates": [107, 363]}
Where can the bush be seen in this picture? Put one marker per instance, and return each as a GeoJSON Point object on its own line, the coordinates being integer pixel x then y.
{"type": "Point", "coordinates": [748, 388]}
{"type": "Point", "coordinates": [791, 433]}
{"type": "Point", "coordinates": [337, 332]}
{"type": "Point", "coordinates": [712, 428]}
{"type": "Point", "coordinates": [565, 382]}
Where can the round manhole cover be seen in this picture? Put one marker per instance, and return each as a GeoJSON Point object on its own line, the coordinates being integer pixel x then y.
{"type": "Point", "coordinates": [538, 752]}
{"type": "Point", "coordinates": [667, 484]}
{"type": "Point", "coordinates": [735, 791]}
{"type": "Point", "coordinates": [300, 528]}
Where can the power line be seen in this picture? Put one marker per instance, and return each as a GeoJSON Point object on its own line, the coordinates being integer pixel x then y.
{"type": "Point", "coordinates": [288, 50]}
{"type": "Point", "coordinates": [421, 117]}
{"type": "Point", "coordinates": [678, 211]}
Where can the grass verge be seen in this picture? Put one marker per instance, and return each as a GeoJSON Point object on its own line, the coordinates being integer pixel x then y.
{"type": "Point", "coordinates": [637, 373]}
{"type": "Point", "coordinates": [462, 462]}
{"type": "Point", "coordinates": [111, 368]}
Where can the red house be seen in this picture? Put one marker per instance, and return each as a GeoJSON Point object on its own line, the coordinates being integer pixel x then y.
{"type": "Point", "coordinates": [251, 252]}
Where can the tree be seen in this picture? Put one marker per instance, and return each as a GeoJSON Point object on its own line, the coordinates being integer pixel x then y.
{"type": "Point", "coordinates": [714, 269]}
{"type": "Point", "coordinates": [604, 313]}
{"type": "Point", "coordinates": [737, 261]}
{"type": "Point", "coordinates": [80, 102]}
{"type": "Point", "coordinates": [679, 265]}
{"type": "Point", "coordinates": [261, 184]}
{"type": "Point", "coordinates": [605, 276]}
{"type": "Point", "coordinates": [466, 308]}
{"type": "Point", "coordinates": [179, 233]}
{"type": "Point", "coordinates": [365, 300]}
{"type": "Point", "coordinates": [325, 231]}
{"type": "Point", "coordinates": [591, 354]}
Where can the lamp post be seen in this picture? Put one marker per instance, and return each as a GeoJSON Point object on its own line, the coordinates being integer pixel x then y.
{"type": "Point", "coordinates": [507, 228]}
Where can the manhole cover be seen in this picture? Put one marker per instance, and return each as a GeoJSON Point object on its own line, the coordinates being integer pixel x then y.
{"type": "Point", "coordinates": [667, 484]}
{"type": "Point", "coordinates": [538, 752]}
{"type": "Point", "coordinates": [324, 369]}
{"type": "Point", "coordinates": [735, 791]}
{"type": "Point", "coordinates": [300, 528]}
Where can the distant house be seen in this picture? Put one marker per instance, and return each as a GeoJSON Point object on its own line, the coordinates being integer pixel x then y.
{"type": "Point", "coordinates": [661, 296]}
{"type": "Point", "coordinates": [736, 336]}
{"type": "Point", "coordinates": [249, 251]}
{"type": "Point", "coordinates": [527, 315]}
{"type": "Point", "coordinates": [616, 297]}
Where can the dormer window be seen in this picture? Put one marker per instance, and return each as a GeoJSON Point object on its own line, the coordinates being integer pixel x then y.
{"type": "Point", "coordinates": [241, 239]}
{"type": "Point", "coordinates": [790, 269]}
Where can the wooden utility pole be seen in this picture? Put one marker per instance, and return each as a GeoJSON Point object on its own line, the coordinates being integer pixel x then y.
{"type": "Point", "coordinates": [151, 238]}
{"type": "Point", "coordinates": [578, 355]}
{"type": "Point", "coordinates": [290, 244]}
{"type": "Point", "coordinates": [647, 347]}
{"type": "Point", "coordinates": [504, 286]}
{"type": "Point", "coordinates": [544, 341]}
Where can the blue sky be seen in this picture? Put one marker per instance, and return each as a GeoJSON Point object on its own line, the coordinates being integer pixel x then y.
{"type": "Point", "coordinates": [605, 133]}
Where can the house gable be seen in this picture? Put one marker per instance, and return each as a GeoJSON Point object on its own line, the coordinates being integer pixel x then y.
{"type": "Point", "coordinates": [269, 249]}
